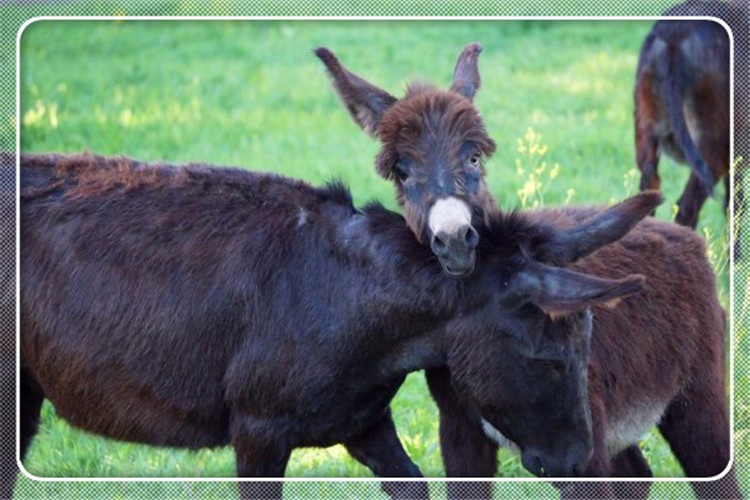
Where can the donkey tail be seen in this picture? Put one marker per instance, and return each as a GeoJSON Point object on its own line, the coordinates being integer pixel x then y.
{"type": "Point", "coordinates": [673, 92]}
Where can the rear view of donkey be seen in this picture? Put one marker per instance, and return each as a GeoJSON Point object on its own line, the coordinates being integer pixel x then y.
{"type": "Point", "coordinates": [682, 103]}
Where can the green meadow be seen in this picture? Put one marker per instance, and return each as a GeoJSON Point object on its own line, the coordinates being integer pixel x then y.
{"type": "Point", "coordinates": [557, 97]}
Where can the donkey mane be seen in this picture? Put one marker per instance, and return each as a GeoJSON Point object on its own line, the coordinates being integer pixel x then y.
{"type": "Point", "coordinates": [226, 196]}
{"type": "Point", "coordinates": [513, 229]}
{"type": "Point", "coordinates": [87, 175]}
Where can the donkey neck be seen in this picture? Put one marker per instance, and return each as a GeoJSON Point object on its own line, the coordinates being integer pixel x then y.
{"type": "Point", "coordinates": [403, 281]}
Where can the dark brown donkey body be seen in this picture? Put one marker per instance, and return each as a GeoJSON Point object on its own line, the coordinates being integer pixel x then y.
{"type": "Point", "coordinates": [682, 99]}
{"type": "Point", "coordinates": [200, 306]}
{"type": "Point", "coordinates": [658, 360]}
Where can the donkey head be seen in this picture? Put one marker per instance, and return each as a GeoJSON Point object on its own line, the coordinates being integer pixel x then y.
{"type": "Point", "coordinates": [433, 147]}
{"type": "Point", "coordinates": [523, 360]}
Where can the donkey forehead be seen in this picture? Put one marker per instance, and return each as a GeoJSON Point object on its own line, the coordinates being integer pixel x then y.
{"type": "Point", "coordinates": [532, 331]}
{"type": "Point", "coordinates": [432, 118]}
{"type": "Point", "coordinates": [536, 334]}
{"type": "Point", "coordinates": [564, 336]}
{"type": "Point", "coordinates": [493, 353]}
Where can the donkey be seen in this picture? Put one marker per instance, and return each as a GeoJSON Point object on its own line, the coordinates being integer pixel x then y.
{"type": "Point", "coordinates": [433, 147]}
{"type": "Point", "coordinates": [657, 360]}
{"type": "Point", "coordinates": [682, 100]}
{"type": "Point", "coordinates": [193, 307]}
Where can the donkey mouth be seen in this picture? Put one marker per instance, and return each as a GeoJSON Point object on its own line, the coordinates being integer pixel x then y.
{"type": "Point", "coordinates": [458, 271]}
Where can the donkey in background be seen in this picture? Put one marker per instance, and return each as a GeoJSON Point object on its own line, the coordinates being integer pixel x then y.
{"type": "Point", "coordinates": [659, 360]}
{"type": "Point", "coordinates": [196, 306]}
{"type": "Point", "coordinates": [682, 100]}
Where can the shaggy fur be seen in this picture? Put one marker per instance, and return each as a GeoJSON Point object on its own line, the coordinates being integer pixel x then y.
{"type": "Point", "coordinates": [201, 306]}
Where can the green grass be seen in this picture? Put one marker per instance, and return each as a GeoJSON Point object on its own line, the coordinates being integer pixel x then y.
{"type": "Point", "coordinates": [251, 93]}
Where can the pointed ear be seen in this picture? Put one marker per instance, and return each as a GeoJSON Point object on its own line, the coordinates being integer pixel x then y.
{"type": "Point", "coordinates": [365, 102]}
{"type": "Point", "coordinates": [559, 291]}
{"type": "Point", "coordinates": [602, 229]}
{"type": "Point", "coordinates": [466, 79]}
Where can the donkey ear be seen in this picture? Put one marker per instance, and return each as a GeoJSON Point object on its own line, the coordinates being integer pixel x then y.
{"type": "Point", "coordinates": [602, 229]}
{"type": "Point", "coordinates": [365, 102]}
{"type": "Point", "coordinates": [466, 79]}
{"type": "Point", "coordinates": [559, 291]}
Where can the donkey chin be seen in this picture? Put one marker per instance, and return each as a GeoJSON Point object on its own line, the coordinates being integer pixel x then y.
{"type": "Point", "coordinates": [570, 464]}
{"type": "Point", "coordinates": [568, 461]}
{"type": "Point", "coordinates": [459, 265]}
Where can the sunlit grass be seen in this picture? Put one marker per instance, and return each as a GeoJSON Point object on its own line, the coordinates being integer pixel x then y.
{"type": "Point", "coordinates": [537, 174]}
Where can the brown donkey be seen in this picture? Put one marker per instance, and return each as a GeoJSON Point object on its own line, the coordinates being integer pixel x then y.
{"type": "Point", "coordinates": [433, 147]}
{"type": "Point", "coordinates": [682, 99]}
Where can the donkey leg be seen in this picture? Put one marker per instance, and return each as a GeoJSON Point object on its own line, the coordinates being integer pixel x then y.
{"type": "Point", "coordinates": [646, 141]}
{"type": "Point", "coordinates": [261, 452]}
{"type": "Point", "coordinates": [466, 450]}
{"type": "Point", "coordinates": [690, 203]}
{"type": "Point", "coordinates": [380, 450]}
{"type": "Point", "coordinates": [726, 194]}
{"type": "Point", "coordinates": [648, 162]}
{"type": "Point", "coordinates": [630, 462]}
{"type": "Point", "coordinates": [260, 490]}
{"type": "Point", "coordinates": [715, 151]}
{"type": "Point", "coordinates": [696, 426]}
{"type": "Point", "coordinates": [31, 398]}
{"type": "Point", "coordinates": [600, 464]}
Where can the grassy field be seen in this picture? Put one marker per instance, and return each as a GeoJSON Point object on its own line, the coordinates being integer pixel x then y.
{"type": "Point", "coordinates": [251, 94]}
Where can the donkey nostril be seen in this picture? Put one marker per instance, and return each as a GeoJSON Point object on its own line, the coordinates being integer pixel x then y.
{"type": "Point", "coordinates": [439, 247]}
{"type": "Point", "coordinates": [533, 463]}
{"type": "Point", "coordinates": [471, 238]}
{"type": "Point", "coordinates": [539, 467]}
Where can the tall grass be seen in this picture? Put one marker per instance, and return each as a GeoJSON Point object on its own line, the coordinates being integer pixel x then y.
{"type": "Point", "coordinates": [556, 96]}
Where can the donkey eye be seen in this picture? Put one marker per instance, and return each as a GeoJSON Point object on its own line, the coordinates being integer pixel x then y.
{"type": "Point", "coordinates": [549, 364]}
{"type": "Point", "coordinates": [553, 369]}
{"type": "Point", "coordinates": [475, 160]}
{"type": "Point", "coordinates": [400, 172]}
